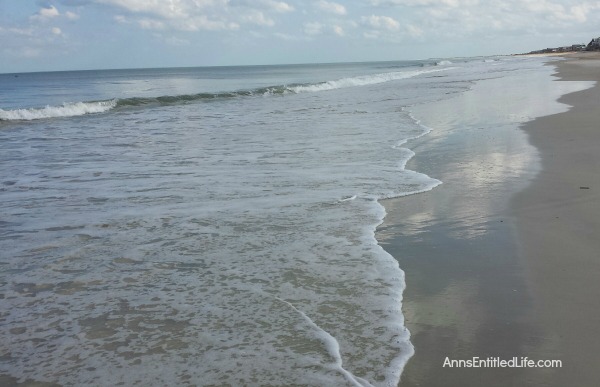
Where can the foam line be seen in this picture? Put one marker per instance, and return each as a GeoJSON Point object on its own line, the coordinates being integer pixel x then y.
{"type": "Point", "coordinates": [333, 347]}
{"type": "Point", "coordinates": [362, 80]}
{"type": "Point", "coordinates": [66, 110]}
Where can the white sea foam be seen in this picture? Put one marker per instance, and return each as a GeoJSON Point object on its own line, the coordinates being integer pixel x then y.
{"type": "Point", "coordinates": [347, 199]}
{"type": "Point", "coordinates": [333, 348]}
{"type": "Point", "coordinates": [66, 110]}
{"type": "Point", "coordinates": [362, 80]}
{"type": "Point", "coordinates": [443, 63]}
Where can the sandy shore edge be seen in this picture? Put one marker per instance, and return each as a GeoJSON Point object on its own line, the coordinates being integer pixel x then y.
{"type": "Point", "coordinates": [558, 225]}
{"type": "Point", "coordinates": [482, 278]}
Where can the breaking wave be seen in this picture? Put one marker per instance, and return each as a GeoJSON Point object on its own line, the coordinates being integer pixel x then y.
{"type": "Point", "coordinates": [73, 109]}
{"type": "Point", "coordinates": [66, 110]}
{"type": "Point", "coordinates": [361, 80]}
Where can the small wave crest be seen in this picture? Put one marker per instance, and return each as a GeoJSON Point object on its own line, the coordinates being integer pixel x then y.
{"type": "Point", "coordinates": [443, 63]}
{"type": "Point", "coordinates": [360, 81]}
{"type": "Point", "coordinates": [66, 110]}
{"type": "Point", "coordinates": [73, 109]}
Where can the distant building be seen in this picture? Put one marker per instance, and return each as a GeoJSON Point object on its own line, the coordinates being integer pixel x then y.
{"type": "Point", "coordinates": [593, 45]}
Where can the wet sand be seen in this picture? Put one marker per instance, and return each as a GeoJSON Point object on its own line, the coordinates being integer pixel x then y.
{"type": "Point", "coordinates": [558, 223]}
{"type": "Point", "coordinates": [490, 269]}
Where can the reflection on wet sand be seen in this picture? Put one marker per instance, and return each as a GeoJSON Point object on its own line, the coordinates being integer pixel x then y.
{"type": "Point", "coordinates": [466, 292]}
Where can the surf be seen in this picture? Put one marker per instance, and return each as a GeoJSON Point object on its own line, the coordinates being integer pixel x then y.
{"type": "Point", "coordinates": [75, 109]}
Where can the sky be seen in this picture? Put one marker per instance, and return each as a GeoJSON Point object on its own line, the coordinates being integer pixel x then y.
{"type": "Point", "coordinates": [53, 35]}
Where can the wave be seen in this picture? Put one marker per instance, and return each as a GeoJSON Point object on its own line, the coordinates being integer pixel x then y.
{"type": "Point", "coordinates": [443, 63]}
{"type": "Point", "coordinates": [361, 80]}
{"type": "Point", "coordinates": [66, 110]}
{"type": "Point", "coordinates": [73, 109]}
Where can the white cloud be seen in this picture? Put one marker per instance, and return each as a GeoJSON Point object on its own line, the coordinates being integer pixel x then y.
{"type": "Point", "coordinates": [381, 22]}
{"type": "Point", "coordinates": [71, 15]}
{"type": "Point", "coordinates": [559, 12]}
{"type": "Point", "coordinates": [278, 6]}
{"type": "Point", "coordinates": [173, 41]}
{"type": "Point", "coordinates": [33, 37]}
{"type": "Point", "coordinates": [17, 31]}
{"type": "Point", "coordinates": [49, 12]}
{"type": "Point", "coordinates": [195, 15]}
{"type": "Point", "coordinates": [316, 28]}
{"type": "Point", "coordinates": [313, 28]}
{"type": "Point", "coordinates": [267, 5]}
{"type": "Point", "coordinates": [339, 31]}
{"type": "Point", "coordinates": [414, 31]}
{"type": "Point", "coordinates": [30, 52]}
{"type": "Point", "coordinates": [166, 9]}
{"type": "Point", "coordinates": [474, 19]}
{"type": "Point", "coordinates": [288, 37]}
{"type": "Point", "coordinates": [151, 24]}
{"type": "Point", "coordinates": [424, 3]}
{"type": "Point", "coordinates": [204, 23]}
{"type": "Point", "coordinates": [371, 34]}
{"type": "Point", "coordinates": [46, 13]}
{"type": "Point", "coordinates": [258, 18]}
{"type": "Point", "coordinates": [331, 7]}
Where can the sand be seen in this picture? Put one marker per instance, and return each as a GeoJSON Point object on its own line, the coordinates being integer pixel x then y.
{"type": "Point", "coordinates": [558, 223]}
{"type": "Point", "coordinates": [503, 264]}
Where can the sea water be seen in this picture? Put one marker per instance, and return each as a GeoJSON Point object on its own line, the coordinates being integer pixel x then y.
{"type": "Point", "coordinates": [211, 226]}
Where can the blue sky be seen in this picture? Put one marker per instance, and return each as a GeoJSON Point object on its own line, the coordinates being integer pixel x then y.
{"type": "Point", "coordinates": [99, 34]}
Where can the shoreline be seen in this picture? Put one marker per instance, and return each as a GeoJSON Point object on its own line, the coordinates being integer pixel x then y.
{"type": "Point", "coordinates": [470, 291]}
{"type": "Point", "coordinates": [557, 219]}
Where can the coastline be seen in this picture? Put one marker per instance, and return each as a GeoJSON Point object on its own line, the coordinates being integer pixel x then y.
{"type": "Point", "coordinates": [468, 255]}
{"type": "Point", "coordinates": [557, 222]}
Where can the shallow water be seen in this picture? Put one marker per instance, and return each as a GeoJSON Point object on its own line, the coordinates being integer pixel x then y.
{"type": "Point", "coordinates": [179, 238]}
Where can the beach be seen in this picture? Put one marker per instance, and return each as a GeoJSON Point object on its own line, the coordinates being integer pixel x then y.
{"type": "Point", "coordinates": [557, 220]}
{"type": "Point", "coordinates": [501, 260]}
{"type": "Point", "coordinates": [223, 225]}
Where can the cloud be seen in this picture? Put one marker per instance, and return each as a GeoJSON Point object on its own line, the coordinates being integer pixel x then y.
{"type": "Point", "coordinates": [267, 5]}
{"type": "Point", "coordinates": [165, 9]}
{"type": "Point", "coordinates": [317, 28]}
{"type": "Point", "coordinates": [278, 6]}
{"type": "Point", "coordinates": [29, 52]}
{"type": "Point", "coordinates": [258, 18]}
{"type": "Point", "coordinates": [46, 14]}
{"type": "Point", "coordinates": [151, 24]}
{"type": "Point", "coordinates": [381, 23]}
{"type": "Point", "coordinates": [289, 37]}
{"type": "Point", "coordinates": [339, 31]}
{"type": "Point", "coordinates": [71, 15]}
{"type": "Point", "coordinates": [313, 28]}
{"type": "Point", "coordinates": [191, 24]}
{"type": "Point", "coordinates": [555, 11]}
{"type": "Point", "coordinates": [414, 31]}
{"type": "Point", "coordinates": [331, 7]}
{"type": "Point", "coordinates": [196, 15]}
{"type": "Point", "coordinates": [173, 41]}
{"type": "Point", "coordinates": [473, 19]}
{"type": "Point", "coordinates": [14, 31]}
{"type": "Point", "coordinates": [32, 38]}
{"type": "Point", "coordinates": [423, 3]}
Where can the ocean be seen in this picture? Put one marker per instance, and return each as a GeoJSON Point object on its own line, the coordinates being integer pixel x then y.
{"type": "Point", "coordinates": [213, 226]}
